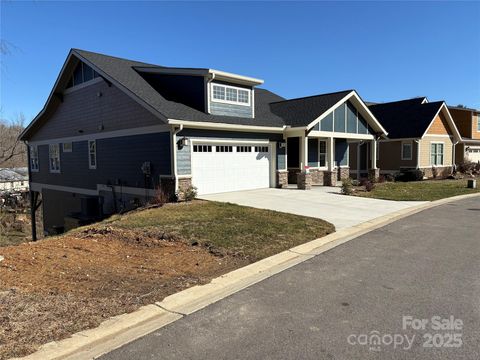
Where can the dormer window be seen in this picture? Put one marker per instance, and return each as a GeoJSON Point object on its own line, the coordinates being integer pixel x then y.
{"type": "Point", "coordinates": [231, 94]}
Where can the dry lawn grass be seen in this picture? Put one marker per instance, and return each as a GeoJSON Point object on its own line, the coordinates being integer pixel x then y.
{"type": "Point", "coordinates": [61, 285]}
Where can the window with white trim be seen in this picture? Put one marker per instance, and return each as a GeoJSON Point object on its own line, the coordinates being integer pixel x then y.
{"type": "Point", "coordinates": [67, 147]}
{"type": "Point", "coordinates": [34, 158]}
{"type": "Point", "coordinates": [231, 94]}
{"type": "Point", "coordinates": [244, 148]}
{"type": "Point", "coordinates": [92, 154]}
{"type": "Point", "coordinates": [202, 148]}
{"type": "Point", "coordinates": [322, 155]}
{"type": "Point", "coordinates": [478, 122]}
{"type": "Point", "coordinates": [436, 154]}
{"type": "Point", "coordinates": [261, 148]}
{"type": "Point", "coordinates": [223, 148]}
{"type": "Point", "coordinates": [54, 157]}
{"type": "Point", "coordinates": [407, 151]}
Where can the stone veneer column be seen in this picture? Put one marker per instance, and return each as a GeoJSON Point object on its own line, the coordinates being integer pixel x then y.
{"type": "Point", "coordinates": [183, 184]}
{"type": "Point", "coordinates": [304, 181]}
{"type": "Point", "coordinates": [330, 178]}
{"type": "Point", "coordinates": [344, 173]}
{"type": "Point", "coordinates": [374, 174]}
{"type": "Point", "coordinates": [282, 179]}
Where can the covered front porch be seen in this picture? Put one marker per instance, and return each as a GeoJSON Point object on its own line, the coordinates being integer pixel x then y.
{"type": "Point", "coordinates": [317, 159]}
{"type": "Point", "coordinates": [316, 151]}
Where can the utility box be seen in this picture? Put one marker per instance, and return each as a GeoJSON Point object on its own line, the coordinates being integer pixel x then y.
{"type": "Point", "coordinates": [472, 184]}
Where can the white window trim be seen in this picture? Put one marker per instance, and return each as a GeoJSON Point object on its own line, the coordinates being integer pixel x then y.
{"type": "Point", "coordinates": [54, 171]}
{"type": "Point", "coordinates": [411, 150]}
{"type": "Point", "coordinates": [478, 123]}
{"type": "Point", "coordinates": [443, 153]}
{"type": "Point", "coordinates": [229, 101]}
{"type": "Point", "coordinates": [90, 166]}
{"type": "Point", "coordinates": [37, 168]}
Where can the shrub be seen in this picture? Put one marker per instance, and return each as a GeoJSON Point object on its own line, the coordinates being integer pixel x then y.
{"type": "Point", "coordinates": [347, 186]}
{"type": "Point", "coordinates": [410, 175]}
{"type": "Point", "coordinates": [369, 185]}
{"type": "Point", "coordinates": [389, 177]}
{"type": "Point", "coordinates": [160, 197]}
{"type": "Point", "coordinates": [189, 193]}
{"type": "Point", "coordinates": [381, 179]}
{"type": "Point", "coordinates": [434, 172]}
{"type": "Point", "coordinates": [466, 167]}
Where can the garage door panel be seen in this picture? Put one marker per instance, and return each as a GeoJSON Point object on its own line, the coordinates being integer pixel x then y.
{"type": "Point", "coordinates": [214, 172]}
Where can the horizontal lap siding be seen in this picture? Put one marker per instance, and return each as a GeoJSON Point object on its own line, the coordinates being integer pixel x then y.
{"type": "Point", "coordinates": [425, 145]}
{"type": "Point", "coordinates": [119, 161]}
{"type": "Point", "coordinates": [83, 112]}
{"type": "Point", "coordinates": [391, 155]}
{"type": "Point", "coordinates": [184, 154]}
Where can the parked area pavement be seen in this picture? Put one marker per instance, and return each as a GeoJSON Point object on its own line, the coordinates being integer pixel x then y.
{"type": "Point", "coordinates": [322, 202]}
{"type": "Point", "coordinates": [422, 266]}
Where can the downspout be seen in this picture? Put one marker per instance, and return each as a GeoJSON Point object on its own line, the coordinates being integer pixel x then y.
{"type": "Point", "coordinates": [209, 80]}
{"type": "Point", "coordinates": [32, 197]}
{"type": "Point", "coordinates": [174, 157]}
{"type": "Point", "coordinates": [454, 169]}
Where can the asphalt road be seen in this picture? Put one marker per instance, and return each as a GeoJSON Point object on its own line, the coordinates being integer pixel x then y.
{"type": "Point", "coordinates": [332, 306]}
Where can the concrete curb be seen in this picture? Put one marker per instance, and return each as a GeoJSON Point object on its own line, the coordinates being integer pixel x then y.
{"type": "Point", "coordinates": [122, 329]}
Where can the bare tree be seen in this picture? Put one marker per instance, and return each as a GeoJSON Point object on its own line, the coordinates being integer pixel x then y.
{"type": "Point", "coordinates": [12, 151]}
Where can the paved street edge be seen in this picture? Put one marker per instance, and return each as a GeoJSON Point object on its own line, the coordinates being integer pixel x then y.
{"type": "Point", "coordinates": [122, 329]}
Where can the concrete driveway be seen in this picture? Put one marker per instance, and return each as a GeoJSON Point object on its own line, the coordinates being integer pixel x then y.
{"type": "Point", "coordinates": [321, 202]}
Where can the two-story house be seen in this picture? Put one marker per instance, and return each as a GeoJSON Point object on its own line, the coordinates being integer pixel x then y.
{"type": "Point", "coordinates": [114, 131]}
{"type": "Point", "coordinates": [468, 124]}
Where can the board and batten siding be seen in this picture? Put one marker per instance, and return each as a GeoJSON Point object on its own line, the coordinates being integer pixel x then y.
{"type": "Point", "coordinates": [184, 161]}
{"type": "Point", "coordinates": [344, 119]}
{"type": "Point", "coordinates": [119, 162]}
{"type": "Point", "coordinates": [84, 112]}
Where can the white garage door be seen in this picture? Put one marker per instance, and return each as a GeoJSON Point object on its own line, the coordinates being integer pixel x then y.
{"type": "Point", "coordinates": [473, 153]}
{"type": "Point", "coordinates": [230, 167]}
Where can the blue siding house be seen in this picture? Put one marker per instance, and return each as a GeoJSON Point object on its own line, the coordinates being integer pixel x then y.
{"type": "Point", "coordinates": [114, 132]}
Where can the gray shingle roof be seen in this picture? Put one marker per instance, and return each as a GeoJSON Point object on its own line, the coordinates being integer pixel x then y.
{"type": "Point", "coordinates": [302, 111]}
{"type": "Point", "coordinates": [123, 72]}
{"type": "Point", "coordinates": [271, 109]}
{"type": "Point", "coordinates": [406, 118]}
{"type": "Point", "coordinates": [13, 174]}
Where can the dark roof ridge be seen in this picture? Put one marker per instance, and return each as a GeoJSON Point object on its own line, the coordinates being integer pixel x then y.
{"type": "Point", "coordinates": [115, 57]}
{"type": "Point", "coordinates": [397, 101]}
{"type": "Point", "coordinates": [312, 96]}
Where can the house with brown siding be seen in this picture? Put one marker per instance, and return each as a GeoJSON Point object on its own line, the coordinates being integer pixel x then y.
{"type": "Point", "coordinates": [421, 135]}
{"type": "Point", "coordinates": [468, 124]}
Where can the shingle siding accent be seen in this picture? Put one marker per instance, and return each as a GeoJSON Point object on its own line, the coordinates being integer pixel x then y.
{"type": "Point", "coordinates": [84, 112]}
{"type": "Point", "coordinates": [218, 108]}
{"type": "Point", "coordinates": [119, 162]}
{"type": "Point", "coordinates": [184, 160]}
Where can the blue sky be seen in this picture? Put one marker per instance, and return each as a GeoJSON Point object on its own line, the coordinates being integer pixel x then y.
{"type": "Point", "coordinates": [385, 50]}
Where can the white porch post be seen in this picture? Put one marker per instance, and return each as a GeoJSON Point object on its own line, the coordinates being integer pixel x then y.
{"type": "Point", "coordinates": [303, 152]}
{"type": "Point", "coordinates": [331, 153]}
{"type": "Point", "coordinates": [374, 154]}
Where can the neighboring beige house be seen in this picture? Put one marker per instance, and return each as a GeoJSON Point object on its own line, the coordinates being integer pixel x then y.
{"type": "Point", "coordinates": [467, 122]}
{"type": "Point", "coordinates": [421, 135]}
{"type": "Point", "coordinates": [13, 179]}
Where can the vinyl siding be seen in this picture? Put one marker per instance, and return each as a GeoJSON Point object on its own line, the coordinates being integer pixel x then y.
{"type": "Point", "coordinates": [119, 162]}
{"type": "Point", "coordinates": [83, 112]}
{"type": "Point", "coordinates": [220, 108]}
{"type": "Point", "coordinates": [425, 150]}
{"type": "Point", "coordinates": [391, 155]}
{"type": "Point", "coordinates": [184, 155]}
